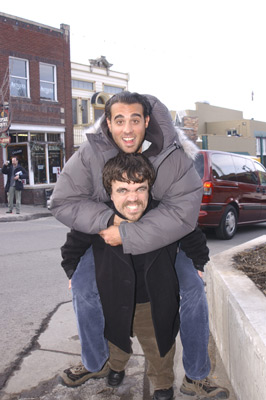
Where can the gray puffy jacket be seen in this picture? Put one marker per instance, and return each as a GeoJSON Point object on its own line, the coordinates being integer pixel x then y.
{"type": "Point", "coordinates": [78, 197]}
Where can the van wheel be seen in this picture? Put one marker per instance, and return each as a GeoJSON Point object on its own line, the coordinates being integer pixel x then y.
{"type": "Point", "coordinates": [228, 224]}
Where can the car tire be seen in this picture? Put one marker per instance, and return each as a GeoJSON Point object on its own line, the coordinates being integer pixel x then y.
{"type": "Point", "coordinates": [228, 224]}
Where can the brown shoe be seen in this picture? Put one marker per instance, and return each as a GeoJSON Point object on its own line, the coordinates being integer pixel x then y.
{"type": "Point", "coordinates": [77, 375]}
{"type": "Point", "coordinates": [204, 387]}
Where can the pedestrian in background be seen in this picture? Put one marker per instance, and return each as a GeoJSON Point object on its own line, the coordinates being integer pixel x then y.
{"type": "Point", "coordinates": [14, 186]}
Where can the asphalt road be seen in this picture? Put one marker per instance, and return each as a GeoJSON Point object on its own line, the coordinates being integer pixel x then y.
{"type": "Point", "coordinates": [33, 284]}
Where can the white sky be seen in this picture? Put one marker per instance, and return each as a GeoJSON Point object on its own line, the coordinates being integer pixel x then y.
{"type": "Point", "coordinates": [181, 51]}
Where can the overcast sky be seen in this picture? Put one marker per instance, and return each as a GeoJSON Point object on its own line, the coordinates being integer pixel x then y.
{"type": "Point", "coordinates": [181, 51]}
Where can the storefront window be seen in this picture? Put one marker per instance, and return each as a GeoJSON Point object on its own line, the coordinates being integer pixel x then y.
{"type": "Point", "coordinates": [38, 137]}
{"type": "Point", "coordinates": [22, 153]}
{"type": "Point", "coordinates": [43, 153]}
{"type": "Point", "coordinates": [55, 162]}
{"type": "Point", "coordinates": [38, 163]}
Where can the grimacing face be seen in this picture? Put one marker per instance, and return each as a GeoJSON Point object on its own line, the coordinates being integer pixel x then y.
{"type": "Point", "coordinates": [130, 199]}
{"type": "Point", "coordinates": [127, 126]}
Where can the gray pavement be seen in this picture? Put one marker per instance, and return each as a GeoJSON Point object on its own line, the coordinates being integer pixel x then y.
{"type": "Point", "coordinates": [57, 347]}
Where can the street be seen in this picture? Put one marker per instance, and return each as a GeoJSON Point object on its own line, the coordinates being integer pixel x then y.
{"type": "Point", "coordinates": [33, 284]}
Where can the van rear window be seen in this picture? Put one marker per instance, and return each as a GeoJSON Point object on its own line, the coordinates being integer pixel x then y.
{"type": "Point", "coordinates": [223, 167]}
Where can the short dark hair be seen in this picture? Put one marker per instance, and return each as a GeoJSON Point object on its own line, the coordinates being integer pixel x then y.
{"type": "Point", "coordinates": [128, 98]}
{"type": "Point", "coordinates": [128, 167]}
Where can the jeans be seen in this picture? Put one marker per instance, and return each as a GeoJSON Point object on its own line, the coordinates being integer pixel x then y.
{"type": "Point", "coordinates": [89, 314]}
{"type": "Point", "coordinates": [10, 198]}
{"type": "Point", "coordinates": [194, 319]}
{"type": "Point", "coordinates": [194, 326]}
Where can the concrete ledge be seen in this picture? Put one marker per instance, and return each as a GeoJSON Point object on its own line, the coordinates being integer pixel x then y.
{"type": "Point", "coordinates": [237, 310]}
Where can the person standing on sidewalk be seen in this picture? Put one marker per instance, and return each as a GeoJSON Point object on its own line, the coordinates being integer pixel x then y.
{"type": "Point", "coordinates": [136, 123]}
{"type": "Point", "coordinates": [14, 186]}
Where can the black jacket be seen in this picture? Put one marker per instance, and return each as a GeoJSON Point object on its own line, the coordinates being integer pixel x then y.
{"type": "Point", "coordinates": [7, 170]}
{"type": "Point", "coordinates": [194, 245]}
{"type": "Point", "coordinates": [116, 281]}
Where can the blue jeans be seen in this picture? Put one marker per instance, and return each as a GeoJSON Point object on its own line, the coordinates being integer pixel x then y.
{"type": "Point", "coordinates": [194, 319]}
{"type": "Point", "coordinates": [194, 327]}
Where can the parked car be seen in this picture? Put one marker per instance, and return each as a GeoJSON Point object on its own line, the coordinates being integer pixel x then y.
{"type": "Point", "coordinates": [234, 191]}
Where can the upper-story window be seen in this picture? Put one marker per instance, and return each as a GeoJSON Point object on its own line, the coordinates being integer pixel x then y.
{"type": "Point", "coordinates": [48, 82]}
{"type": "Point", "coordinates": [77, 84]}
{"type": "Point", "coordinates": [112, 89]}
{"type": "Point", "coordinates": [19, 77]}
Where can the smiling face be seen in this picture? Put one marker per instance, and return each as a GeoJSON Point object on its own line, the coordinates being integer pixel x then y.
{"type": "Point", "coordinates": [130, 199]}
{"type": "Point", "coordinates": [127, 126]}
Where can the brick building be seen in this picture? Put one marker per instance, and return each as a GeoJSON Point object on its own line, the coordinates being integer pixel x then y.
{"type": "Point", "coordinates": [35, 91]}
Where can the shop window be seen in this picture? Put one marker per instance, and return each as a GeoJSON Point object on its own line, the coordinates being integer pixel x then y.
{"type": "Point", "coordinates": [112, 89]}
{"type": "Point", "coordinates": [22, 137]}
{"type": "Point", "coordinates": [19, 77]}
{"type": "Point", "coordinates": [21, 152]}
{"type": "Point", "coordinates": [48, 82]}
{"type": "Point", "coordinates": [55, 161]}
{"type": "Point", "coordinates": [38, 137]}
{"type": "Point", "coordinates": [74, 111]}
{"type": "Point", "coordinates": [84, 111]}
{"type": "Point", "coordinates": [77, 84]}
{"type": "Point", "coordinates": [98, 112]}
{"type": "Point", "coordinates": [38, 163]}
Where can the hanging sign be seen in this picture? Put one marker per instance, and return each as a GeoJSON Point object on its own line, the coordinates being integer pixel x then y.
{"type": "Point", "coordinates": [4, 119]}
{"type": "Point", "coordinates": [4, 140]}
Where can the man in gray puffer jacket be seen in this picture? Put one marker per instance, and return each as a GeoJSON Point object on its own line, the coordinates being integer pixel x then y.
{"type": "Point", "coordinates": [135, 123]}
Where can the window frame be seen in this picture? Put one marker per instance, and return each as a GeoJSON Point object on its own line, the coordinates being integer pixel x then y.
{"type": "Point", "coordinates": [82, 88]}
{"type": "Point", "coordinates": [54, 83]}
{"type": "Point", "coordinates": [27, 78]}
{"type": "Point", "coordinates": [119, 89]}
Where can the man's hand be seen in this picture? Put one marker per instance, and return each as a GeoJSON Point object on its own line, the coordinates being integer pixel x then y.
{"type": "Point", "coordinates": [111, 236]}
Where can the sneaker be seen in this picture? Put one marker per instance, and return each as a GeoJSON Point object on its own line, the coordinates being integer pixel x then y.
{"type": "Point", "coordinates": [203, 387]}
{"type": "Point", "coordinates": [9, 212]}
{"type": "Point", "coordinates": [77, 375]}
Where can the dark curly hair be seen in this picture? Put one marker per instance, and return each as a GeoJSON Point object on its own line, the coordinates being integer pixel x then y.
{"type": "Point", "coordinates": [128, 167]}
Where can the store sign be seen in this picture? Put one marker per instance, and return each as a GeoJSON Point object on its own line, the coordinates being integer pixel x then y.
{"type": "Point", "coordinates": [4, 140]}
{"type": "Point", "coordinates": [4, 119]}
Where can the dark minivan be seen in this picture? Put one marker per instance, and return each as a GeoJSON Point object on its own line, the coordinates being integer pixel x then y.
{"type": "Point", "coordinates": [234, 191]}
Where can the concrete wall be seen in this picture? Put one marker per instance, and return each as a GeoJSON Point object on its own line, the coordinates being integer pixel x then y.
{"type": "Point", "coordinates": [237, 310]}
{"type": "Point", "coordinates": [232, 144]}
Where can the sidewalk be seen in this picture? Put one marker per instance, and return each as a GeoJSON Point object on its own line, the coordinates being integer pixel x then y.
{"type": "Point", "coordinates": [27, 212]}
{"type": "Point", "coordinates": [57, 347]}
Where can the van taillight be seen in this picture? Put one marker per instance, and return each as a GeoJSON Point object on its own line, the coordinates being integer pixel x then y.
{"type": "Point", "coordinates": [207, 192]}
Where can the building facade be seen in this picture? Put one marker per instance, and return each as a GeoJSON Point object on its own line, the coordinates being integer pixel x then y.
{"type": "Point", "coordinates": [92, 86]}
{"type": "Point", "coordinates": [224, 129]}
{"type": "Point", "coordinates": [35, 94]}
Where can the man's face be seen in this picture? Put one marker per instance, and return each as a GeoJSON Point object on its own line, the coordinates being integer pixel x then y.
{"type": "Point", "coordinates": [127, 126]}
{"type": "Point", "coordinates": [14, 161]}
{"type": "Point", "coordinates": [130, 199]}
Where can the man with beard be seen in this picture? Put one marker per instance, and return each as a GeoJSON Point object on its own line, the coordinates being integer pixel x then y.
{"type": "Point", "coordinates": [136, 123]}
